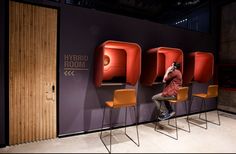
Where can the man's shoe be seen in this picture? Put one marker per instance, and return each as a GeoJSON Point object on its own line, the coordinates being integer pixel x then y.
{"type": "Point", "coordinates": [162, 113]}
{"type": "Point", "coordinates": [172, 113]}
{"type": "Point", "coordinates": [166, 116]}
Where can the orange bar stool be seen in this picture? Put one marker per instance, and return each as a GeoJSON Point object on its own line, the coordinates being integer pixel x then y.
{"type": "Point", "coordinates": [123, 98]}
{"type": "Point", "coordinates": [182, 96]}
{"type": "Point", "coordinates": [212, 92]}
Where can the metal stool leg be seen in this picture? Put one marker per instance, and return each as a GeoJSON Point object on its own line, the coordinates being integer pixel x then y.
{"type": "Point", "coordinates": [218, 116]}
{"type": "Point", "coordinates": [205, 112]}
{"type": "Point", "coordinates": [136, 117]}
{"type": "Point", "coordinates": [176, 125]}
{"type": "Point", "coordinates": [218, 113]}
{"type": "Point", "coordinates": [176, 128]}
{"type": "Point", "coordinates": [201, 109]}
{"type": "Point", "coordinates": [109, 150]}
{"type": "Point", "coordinates": [189, 109]}
{"type": "Point", "coordinates": [110, 128]}
{"type": "Point", "coordinates": [158, 112]}
{"type": "Point", "coordinates": [136, 128]}
{"type": "Point", "coordinates": [202, 105]}
{"type": "Point", "coordinates": [187, 119]}
{"type": "Point", "coordinates": [186, 108]}
{"type": "Point", "coordinates": [102, 121]}
{"type": "Point", "coordinates": [125, 118]}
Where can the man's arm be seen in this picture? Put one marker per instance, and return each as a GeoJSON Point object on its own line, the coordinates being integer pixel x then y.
{"type": "Point", "coordinates": [169, 69]}
{"type": "Point", "coordinates": [170, 76]}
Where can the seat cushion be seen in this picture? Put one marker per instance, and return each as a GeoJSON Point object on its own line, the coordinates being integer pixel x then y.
{"type": "Point", "coordinates": [111, 104]}
{"type": "Point", "coordinates": [173, 101]}
{"type": "Point", "coordinates": [202, 95]}
{"type": "Point", "coordinates": [176, 101]}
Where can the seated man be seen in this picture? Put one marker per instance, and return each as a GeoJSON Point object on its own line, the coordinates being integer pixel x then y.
{"type": "Point", "coordinates": [173, 80]}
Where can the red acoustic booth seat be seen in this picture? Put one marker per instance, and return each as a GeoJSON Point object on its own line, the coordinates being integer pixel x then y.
{"type": "Point", "coordinates": [156, 62]}
{"type": "Point", "coordinates": [117, 61]}
{"type": "Point", "coordinates": [199, 66]}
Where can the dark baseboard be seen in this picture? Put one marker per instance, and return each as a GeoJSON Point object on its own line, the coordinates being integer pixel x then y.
{"type": "Point", "coordinates": [2, 145]}
{"type": "Point", "coordinates": [227, 111]}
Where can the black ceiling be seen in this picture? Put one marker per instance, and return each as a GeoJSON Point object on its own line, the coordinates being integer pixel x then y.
{"type": "Point", "coordinates": [155, 10]}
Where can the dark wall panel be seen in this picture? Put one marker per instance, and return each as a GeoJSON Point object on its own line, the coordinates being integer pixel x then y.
{"type": "Point", "coordinates": [3, 52]}
{"type": "Point", "coordinates": [81, 31]}
{"type": "Point", "coordinates": [227, 58]}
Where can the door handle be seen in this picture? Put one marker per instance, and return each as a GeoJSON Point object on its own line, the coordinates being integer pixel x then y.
{"type": "Point", "coordinates": [53, 88]}
{"type": "Point", "coordinates": [50, 92]}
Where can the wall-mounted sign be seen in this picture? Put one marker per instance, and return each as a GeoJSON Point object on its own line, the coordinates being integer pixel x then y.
{"type": "Point", "coordinates": [74, 63]}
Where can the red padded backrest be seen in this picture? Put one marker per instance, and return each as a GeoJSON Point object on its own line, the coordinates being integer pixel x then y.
{"type": "Point", "coordinates": [189, 61]}
{"type": "Point", "coordinates": [116, 66]}
{"type": "Point", "coordinates": [132, 61]}
{"type": "Point", "coordinates": [157, 60]}
{"type": "Point", "coordinates": [171, 55]}
{"type": "Point", "coordinates": [199, 66]}
{"type": "Point", "coordinates": [204, 66]}
{"type": "Point", "coordinates": [161, 65]}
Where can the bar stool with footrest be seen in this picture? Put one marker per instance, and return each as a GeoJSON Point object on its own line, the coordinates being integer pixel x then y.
{"type": "Point", "coordinates": [182, 96]}
{"type": "Point", "coordinates": [212, 92]}
{"type": "Point", "coordinates": [123, 98]}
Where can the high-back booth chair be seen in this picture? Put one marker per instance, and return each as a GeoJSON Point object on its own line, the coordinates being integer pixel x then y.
{"type": "Point", "coordinates": [156, 61]}
{"type": "Point", "coordinates": [117, 62]}
{"type": "Point", "coordinates": [182, 96]}
{"type": "Point", "coordinates": [123, 98]}
{"type": "Point", "coordinates": [199, 67]}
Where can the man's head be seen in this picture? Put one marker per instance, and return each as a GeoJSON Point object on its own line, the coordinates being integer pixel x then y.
{"type": "Point", "coordinates": [176, 65]}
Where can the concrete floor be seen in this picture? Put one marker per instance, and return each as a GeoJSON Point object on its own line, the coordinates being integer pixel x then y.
{"type": "Point", "coordinates": [216, 139]}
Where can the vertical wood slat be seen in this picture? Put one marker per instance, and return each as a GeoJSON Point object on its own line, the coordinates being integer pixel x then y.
{"type": "Point", "coordinates": [30, 78]}
{"type": "Point", "coordinates": [38, 82]}
{"type": "Point", "coordinates": [21, 89]}
{"type": "Point", "coordinates": [41, 132]}
{"type": "Point", "coordinates": [32, 72]}
{"type": "Point", "coordinates": [44, 94]}
{"type": "Point", "coordinates": [35, 64]}
{"type": "Point", "coordinates": [18, 83]}
{"type": "Point", "coordinates": [54, 76]}
{"type": "Point", "coordinates": [54, 48]}
{"type": "Point", "coordinates": [26, 112]}
{"type": "Point", "coordinates": [47, 78]}
{"type": "Point", "coordinates": [12, 96]}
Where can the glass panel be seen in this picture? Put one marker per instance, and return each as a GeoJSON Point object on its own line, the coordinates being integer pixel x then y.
{"type": "Point", "coordinates": [197, 20]}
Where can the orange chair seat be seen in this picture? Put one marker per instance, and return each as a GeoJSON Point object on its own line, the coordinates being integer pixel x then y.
{"type": "Point", "coordinates": [111, 104]}
{"type": "Point", "coordinates": [182, 95]}
{"type": "Point", "coordinates": [211, 92]}
{"type": "Point", "coordinates": [203, 95]}
{"type": "Point", "coordinates": [176, 101]}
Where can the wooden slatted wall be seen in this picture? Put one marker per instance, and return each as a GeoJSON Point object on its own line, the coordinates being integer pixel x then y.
{"type": "Point", "coordinates": [32, 72]}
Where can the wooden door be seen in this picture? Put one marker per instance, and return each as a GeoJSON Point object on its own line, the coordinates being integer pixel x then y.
{"type": "Point", "coordinates": [32, 72]}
